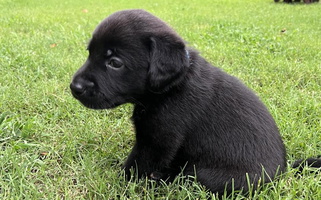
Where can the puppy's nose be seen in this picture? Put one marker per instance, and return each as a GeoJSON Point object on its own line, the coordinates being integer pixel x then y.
{"type": "Point", "coordinates": [79, 86]}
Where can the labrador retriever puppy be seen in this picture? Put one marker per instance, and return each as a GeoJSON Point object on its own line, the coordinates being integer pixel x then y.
{"type": "Point", "coordinates": [189, 116]}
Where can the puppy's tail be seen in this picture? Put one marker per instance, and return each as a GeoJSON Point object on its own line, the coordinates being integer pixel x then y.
{"type": "Point", "coordinates": [310, 162]}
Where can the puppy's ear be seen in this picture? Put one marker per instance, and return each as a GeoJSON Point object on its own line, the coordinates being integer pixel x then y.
{"type": "Point", "coordinates": [168, 63]}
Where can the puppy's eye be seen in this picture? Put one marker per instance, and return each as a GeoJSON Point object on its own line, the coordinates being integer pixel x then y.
{"type": "Point", "coordinates": [115, 63]}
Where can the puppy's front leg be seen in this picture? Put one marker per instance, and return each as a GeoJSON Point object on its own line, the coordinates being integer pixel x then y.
{"type": "Point", "coordinates": [151, 160]}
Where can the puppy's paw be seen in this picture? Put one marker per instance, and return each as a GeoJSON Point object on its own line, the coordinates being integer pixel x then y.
{"type": "Point", "coordinates": [156, 176]}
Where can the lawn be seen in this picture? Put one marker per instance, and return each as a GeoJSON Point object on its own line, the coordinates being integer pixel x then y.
{"type": "Point", "coordinates": [51, 147]}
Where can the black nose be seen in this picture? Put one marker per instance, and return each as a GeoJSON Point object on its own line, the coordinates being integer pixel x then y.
{"type": "Point", "coordinates": [80, 86]}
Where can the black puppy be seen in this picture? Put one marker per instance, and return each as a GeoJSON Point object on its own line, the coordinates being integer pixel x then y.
{"type": "Point", "coordinates": [188, 115]}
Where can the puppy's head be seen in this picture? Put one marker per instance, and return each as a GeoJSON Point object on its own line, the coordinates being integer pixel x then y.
{"type": "Point", "coordinates": [131, 53]}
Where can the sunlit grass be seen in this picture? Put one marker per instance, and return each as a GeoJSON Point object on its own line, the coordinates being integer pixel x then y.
{"type": "Point", "coordinates": [51, 147]}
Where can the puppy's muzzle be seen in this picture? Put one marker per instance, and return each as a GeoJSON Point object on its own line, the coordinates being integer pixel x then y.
{"type": "Point", "coordinates": [79, 87]}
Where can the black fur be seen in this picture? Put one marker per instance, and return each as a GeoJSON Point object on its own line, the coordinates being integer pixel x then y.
{"type": "Point", "coordinates": [188, 114]}
{"type": "Point", "coordinates": [310, 162]}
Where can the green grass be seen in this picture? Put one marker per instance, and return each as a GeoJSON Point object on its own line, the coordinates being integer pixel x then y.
{"type": "Point", "coordinates": [51, 147]}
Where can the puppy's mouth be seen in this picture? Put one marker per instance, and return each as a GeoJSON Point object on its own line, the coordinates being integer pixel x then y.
{"type": "Point", "coordinates": [99, 105]}
{"type": "Point", "coordinates": [96, 100]}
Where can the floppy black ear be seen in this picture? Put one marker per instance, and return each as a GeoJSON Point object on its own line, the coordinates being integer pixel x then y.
{"type": "Point", "coordinates": [168, 63]}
